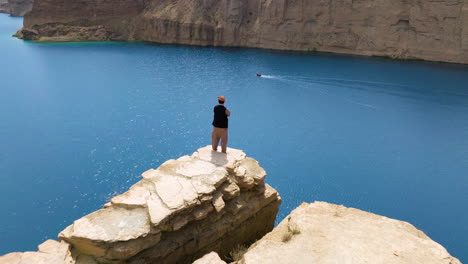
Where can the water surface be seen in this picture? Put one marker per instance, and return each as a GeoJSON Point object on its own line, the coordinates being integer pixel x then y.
{"type": "Point", "coordinates": [80, 122]}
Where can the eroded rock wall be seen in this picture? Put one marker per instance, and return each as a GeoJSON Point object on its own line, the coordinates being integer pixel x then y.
{"type": "Point", "coordinates": [19, 7]}
{"type": "Point", "coordinates": [209, 201]}
{"type": "Point", "coordinates": [4, 7]}
{"type": "Point", "coordinates": [430, 30]}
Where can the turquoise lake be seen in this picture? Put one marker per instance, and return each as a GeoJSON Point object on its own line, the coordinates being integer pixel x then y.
{"type": "Point", "coordinates": [79, 123]}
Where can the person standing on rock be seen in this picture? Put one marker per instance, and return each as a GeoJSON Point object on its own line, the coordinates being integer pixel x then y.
{"type": "Point", "coordinates": [220, 125]}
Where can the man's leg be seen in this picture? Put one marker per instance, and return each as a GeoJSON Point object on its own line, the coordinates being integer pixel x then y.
{"type": "Point", "coordinates": [214, 139]}
{"type": "Point", "coordinates": [224, 140]}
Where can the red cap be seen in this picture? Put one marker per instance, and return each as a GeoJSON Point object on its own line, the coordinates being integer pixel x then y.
{"type": "Point", "coordinates": [221, 98]}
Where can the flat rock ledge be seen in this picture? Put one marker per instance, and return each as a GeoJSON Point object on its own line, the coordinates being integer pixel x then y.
{"type": "Point", "coordinates": [209, 201]}
{"type": "Point", "coordinates": [323, 233]}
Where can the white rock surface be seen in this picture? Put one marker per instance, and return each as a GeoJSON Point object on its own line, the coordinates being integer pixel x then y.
{"type": "Point", "coordinates": [210, 258]}
{"type": "Point", "coordinates": [50, 252]}
{"type": "Point", "coordinates": [323, 233]}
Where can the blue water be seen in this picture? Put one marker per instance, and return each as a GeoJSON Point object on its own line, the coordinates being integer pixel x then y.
{"type": "Point", "coordinates": [80, 122]}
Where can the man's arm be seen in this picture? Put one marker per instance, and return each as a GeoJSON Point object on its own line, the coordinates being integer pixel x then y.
{"type": "Point", "coordinates": [228, 113]}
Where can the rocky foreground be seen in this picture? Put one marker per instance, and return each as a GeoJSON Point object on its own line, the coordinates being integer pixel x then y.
{"type": "Point", "coordinates": [408, 29]}
{"type": "Point", "coordinates": [187, 207]}
{"type": "Point", "coordinates": [323, 233]}
{"type": "Point", "coordinates": [209, 207]}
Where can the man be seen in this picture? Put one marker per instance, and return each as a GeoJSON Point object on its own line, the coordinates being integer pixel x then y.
{"type": "Point", "coordinates": [220, 125]}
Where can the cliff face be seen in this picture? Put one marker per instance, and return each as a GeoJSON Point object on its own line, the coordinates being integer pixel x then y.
{"type": "Point", "coordinates": [323, 233]}
{"type": "Point", "coordinates": [187, 207]}
{"type": "Point", "coordinates": [16, 7]}
{"type": "Point", "coordinates": [20, 7]}
{"type": "Point", "coordinates": [430, 30]}
{"type": "Point", "coordinates": [4, 7]}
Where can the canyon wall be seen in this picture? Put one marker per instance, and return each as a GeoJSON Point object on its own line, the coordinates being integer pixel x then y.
{"type": "Point", "coordinates": [4, 7]}
{"type": "Point", "coordinates": [19, 7]}
{"type": "Point", "coordinates": [209, 201]}
{"type": "Point", "coordinates": [413, 29]}
{"type": "Point", "coordinates": [16, 7]}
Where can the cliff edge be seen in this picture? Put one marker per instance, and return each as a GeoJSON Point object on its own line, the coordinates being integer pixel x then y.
{"type": "Point", "coordinates": [407, 29]}
{"type": "Point", "coordinates": [323, 233]}
{"type": "Point", "coordinates": [187, 207]}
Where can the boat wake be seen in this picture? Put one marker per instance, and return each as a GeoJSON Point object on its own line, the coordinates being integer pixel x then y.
{"type": "Point", "coordinates": [322, 83]}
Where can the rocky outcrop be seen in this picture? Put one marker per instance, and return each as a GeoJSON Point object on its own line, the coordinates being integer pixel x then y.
{"type": "Point", "coordinates": [188, 207]}
{"type": "Point", "coordinates": [19, 7]}
{"type": "Point", "coordinates": [417, 29]}
{"type": "Point", "coordinates": [323, 233]}
{"type": "Point", "coordinates": [50, 252]}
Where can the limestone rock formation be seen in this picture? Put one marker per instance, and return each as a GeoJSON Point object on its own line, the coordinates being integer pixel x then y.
{"type": "Point", "coordinates": [209, 201]}
{"type": "Point", "coordinates": [429, 30]}
{"type": "Point", "coordinates": [50, 252]}
{"type": "Point", "coordinates": [323, 233]}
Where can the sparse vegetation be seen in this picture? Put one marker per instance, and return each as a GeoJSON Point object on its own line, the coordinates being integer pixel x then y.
{"type": "Point", "coordinates": [296, 231]}
{"type": "Point", "coordinates": [337, 214]}
{"type": "Point", "coordinates": [238, 252]}
{"type": "Point", "coordinates": [289, 235]}
{"type": "Point", "coordinates": [286, 237]}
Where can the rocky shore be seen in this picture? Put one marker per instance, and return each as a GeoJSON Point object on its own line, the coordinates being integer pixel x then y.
{"type": "Point", "coordinates": [16, 7]}
{"type": "Point", "coordinates": [414, 29]}
{"type": "Point", "coordinates": [209, 207]}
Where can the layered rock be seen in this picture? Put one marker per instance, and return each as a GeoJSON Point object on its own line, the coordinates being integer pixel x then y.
{"type": "Point", "coordinates": [429, 30]}
{"type": "Point", "coordinates": [20, 7]}
{"type": "Point", "coordinates": [209, 201]}
{"type": "Point", "coordinates": [323, 233]}
{"type": "Point", "coordinates": [4, 8]}
{"type": "Point", "coordinates": [16, 7]}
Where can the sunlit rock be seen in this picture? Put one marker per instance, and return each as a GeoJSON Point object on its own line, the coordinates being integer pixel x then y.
{"type": "Point", "coordinates": [429, 30]}
{"type": "Point", "coordinates": [50, 252]}
{"type": "Point", "coordinates": [175, 214]}
{"type": "Point", "coordinates": [323, 233]}
{"type": "Point", "coordinates": [210, 258]}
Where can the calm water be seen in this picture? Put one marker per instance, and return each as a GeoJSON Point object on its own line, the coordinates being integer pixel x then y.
{"type": "Point", "coordinates": [80, 122]}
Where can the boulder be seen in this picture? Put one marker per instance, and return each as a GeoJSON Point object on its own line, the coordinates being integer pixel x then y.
{"type": "Point", "coordinates": [323, 233]}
